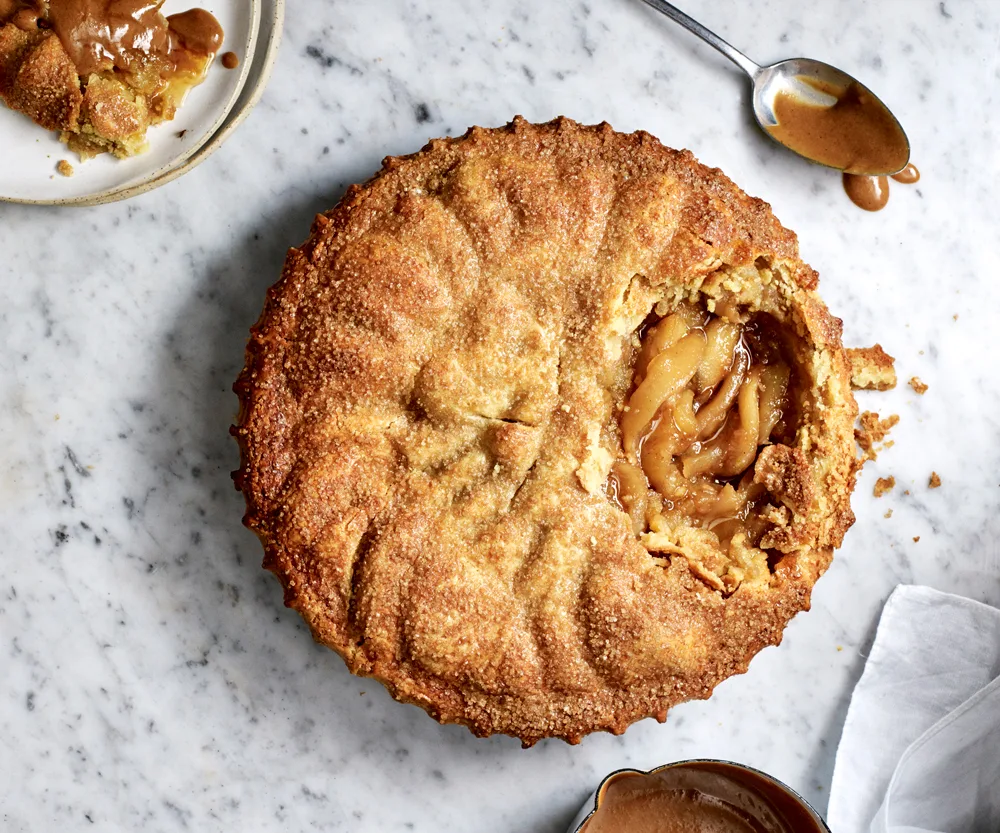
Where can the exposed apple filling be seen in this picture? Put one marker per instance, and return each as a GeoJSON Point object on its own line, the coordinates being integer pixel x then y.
{"type": "Point", "coordinates": [709, 391]}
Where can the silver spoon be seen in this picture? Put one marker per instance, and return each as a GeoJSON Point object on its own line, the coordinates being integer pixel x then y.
{"type": "Point", "coordinates": [783, 76]}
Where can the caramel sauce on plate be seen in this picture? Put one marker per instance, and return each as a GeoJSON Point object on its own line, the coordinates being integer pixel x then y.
{"type": "Point", "coordinates": [697, 797]}
{"type": "Point", "coordinates": [857, 134]}
{"type": "Point", "coordinates": [197, 31]}
{"type": "Point", "coordinates": [230, 60]}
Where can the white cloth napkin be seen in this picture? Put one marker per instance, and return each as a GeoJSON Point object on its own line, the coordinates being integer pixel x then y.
{"type": "Point", "coordinates": [920, 752]}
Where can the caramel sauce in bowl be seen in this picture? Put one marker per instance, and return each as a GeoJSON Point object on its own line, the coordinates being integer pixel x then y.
{"type": "Point", "coordinates": [696, 796]}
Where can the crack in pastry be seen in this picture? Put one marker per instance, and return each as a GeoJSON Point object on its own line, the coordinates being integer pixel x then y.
{"type": "Point", "coordinates": [470, 349]}
{"type": "Point", "coordinates": [102, 72]}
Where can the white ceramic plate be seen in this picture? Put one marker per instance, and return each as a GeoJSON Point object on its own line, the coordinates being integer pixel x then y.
{"type": "Point", "coordinates": [265, 56]}
{"type": "Point", "coordinates": [30, 153]}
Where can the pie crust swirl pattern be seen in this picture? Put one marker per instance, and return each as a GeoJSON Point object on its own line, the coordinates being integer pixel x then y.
{"type": "Point", "coordinates": [432, 418]}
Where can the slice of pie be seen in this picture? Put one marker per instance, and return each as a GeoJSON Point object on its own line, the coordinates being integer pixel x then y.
{"type": "Point", "coordinates": [101, 72]}
{"type": "Point", "coordinates": [547, 429]}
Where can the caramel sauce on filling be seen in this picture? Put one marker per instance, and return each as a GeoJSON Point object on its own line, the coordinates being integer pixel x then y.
{"type": "Point", "coordinates": [129, 36]}
{"type": "Point", "coordinates": [197, 31]}
{"type": "Point", "coordinates": [698, 797]}
{"type": "Point", "coordinates": [709, 391]}
{"type": "Point", "coordinates": [22, 13]}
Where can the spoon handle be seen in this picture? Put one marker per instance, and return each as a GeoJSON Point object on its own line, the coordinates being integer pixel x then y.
{"type": "Point", "coordinates": [692, 25]}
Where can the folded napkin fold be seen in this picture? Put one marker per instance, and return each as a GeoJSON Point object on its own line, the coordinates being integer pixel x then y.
{"type": "Point", "coordinates": [920, 752]}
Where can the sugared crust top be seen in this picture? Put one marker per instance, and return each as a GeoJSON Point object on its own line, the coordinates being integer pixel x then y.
{"type": "Point", "coordinates": [430, 404]}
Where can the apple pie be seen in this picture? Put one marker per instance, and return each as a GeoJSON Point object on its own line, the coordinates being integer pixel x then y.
{"type": "Point", "coordinates": [546, 429]}
{"type": "Point", "coordinates": [101, 72]}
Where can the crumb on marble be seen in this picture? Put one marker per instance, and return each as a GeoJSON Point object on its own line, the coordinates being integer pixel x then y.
{"type": "Point", "coordinates": [888, 514]}
{"type": "Point", "coordinates": [65, 168]}
{"type": "Point", "coordinates": [871, 368]}
{"type": "Point", "coordinates": [918, 386]}
{"type": "Point", "coordinates": [955, 317]}
{"type": "Point", "coordinates": [873, 430]}
{"type": "Point", "coordinates": [884, 485]}
{"type": "Point", "coordinates": [935, 481]}
{"type": "Point", "coordinates": [916, 538]}
{"type": "Point", "coordinates": [840, 647]}
{"type": "Point", "coordinates": [906, 491]}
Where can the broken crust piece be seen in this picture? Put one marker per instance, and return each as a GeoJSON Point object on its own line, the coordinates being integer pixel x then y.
{"type": "Point", "coordinates": [918, 386]}
{"type": "Point", "coordinates": [871, 431]}
{"type": "Point", "coordinates": [871, 368]}
{"type": "Point", "coordinates": [884, 485]}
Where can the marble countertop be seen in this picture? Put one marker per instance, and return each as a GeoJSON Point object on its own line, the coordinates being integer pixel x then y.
{"type": "Point", "coordinates": [150, 676]}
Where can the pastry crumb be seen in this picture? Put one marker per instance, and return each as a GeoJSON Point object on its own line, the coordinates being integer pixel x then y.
{"type": "Point", "coordinates": [935, 480]}
{"type": "Point", "coordinates": [65, 168]}
{"type": "Point", "coordinates": [918, 386]}
{"type": "Point", "coordinates": [873, 430]}
{"type": "Point", "coordinates": [916, 538]}
{"type": "Point", "coordinates": [871, 368]}
{"type": "Point", "coordinates": [884, 485]}
{"type": "Point", "coordinates": [888, 514]}
{"type": "Point", "coordinates": [955, 317]}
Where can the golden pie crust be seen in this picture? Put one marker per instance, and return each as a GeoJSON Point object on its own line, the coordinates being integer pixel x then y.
{"type": "Point", "coordinates": [430, 411]}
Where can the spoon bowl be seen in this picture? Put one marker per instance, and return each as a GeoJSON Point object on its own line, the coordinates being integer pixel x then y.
{"type": "Point", "coordinates": [805, 80]}
{"type": "Point", "coordinates": [831, 118]}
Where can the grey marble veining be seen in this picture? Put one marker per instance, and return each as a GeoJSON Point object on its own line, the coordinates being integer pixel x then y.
{"type": "Point", "coordinates": [150, 676]}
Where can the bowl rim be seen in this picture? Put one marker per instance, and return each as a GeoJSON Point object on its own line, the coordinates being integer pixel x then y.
{"type": "Point", "coordinates": [595, 798]}
{"type": "Point", "coordinates": [232, 116]}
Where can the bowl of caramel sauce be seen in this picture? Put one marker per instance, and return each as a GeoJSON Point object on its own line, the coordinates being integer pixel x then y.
{"type": "Point", "coordinates": [696, 796]}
